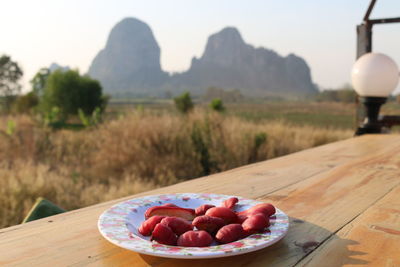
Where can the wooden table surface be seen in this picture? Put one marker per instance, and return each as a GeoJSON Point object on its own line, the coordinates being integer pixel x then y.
{"type": "Point", "coordinates": [343, 200]}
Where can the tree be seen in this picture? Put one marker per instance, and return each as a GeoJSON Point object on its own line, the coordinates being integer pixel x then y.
{"type": "Point", "coordinates": [70, 92]}
{"type": "Point", "coordinates": [183, 103]}
{"type": "Point", "coordinates": [217, 105]}
{"type": "Point", "coordinates": [10, 73]}
{"type": "Point", "coordinates": [38, 82]}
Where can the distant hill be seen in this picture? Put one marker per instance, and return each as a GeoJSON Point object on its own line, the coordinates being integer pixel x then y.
{"type": "Point", "coordinates": [228, 62]}
{"type": "Point", "coordinates": [130, 63]}
{"type": "Point", "coordinates": [54, 66]}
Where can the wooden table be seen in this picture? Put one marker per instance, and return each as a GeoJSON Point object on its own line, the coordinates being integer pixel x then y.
{"type": "Point", "coordinates": [343, 200]}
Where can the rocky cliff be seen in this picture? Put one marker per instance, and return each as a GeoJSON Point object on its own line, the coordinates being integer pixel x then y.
{"type": "Point", "coordinates": [228, 62]}
{"type": "Point", "coordinates": [130, 62]}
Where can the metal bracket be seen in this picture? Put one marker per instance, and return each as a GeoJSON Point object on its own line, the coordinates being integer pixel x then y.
{"type": "Point", "coordinates": [364, 30]}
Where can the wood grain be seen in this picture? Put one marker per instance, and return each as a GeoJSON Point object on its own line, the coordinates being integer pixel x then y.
{"type": "Point", "coordinates": [371, 239]}
{"type": "Point", "coordinates": [323, 190]}
{"type": "Point", "coordinates": [318, 207]}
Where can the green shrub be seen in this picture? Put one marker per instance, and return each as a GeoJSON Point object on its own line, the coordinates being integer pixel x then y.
{"type": "Point", "coordinates": [54, 119]}
{"type": "Point", "coordinates": [94, 119]}
{"type": "Point", "coordinates": [259, 139]}
{"type": "Point", "coordinates": [11, 126]}
{"type": "Point", "coordinates": [183, 103]}
{"type": "Point", "coordinates": [69, 91]}
{"type": "Point", "coordinates": [201, 139]}
{"type": "Point", "coordinates": [217, 105]}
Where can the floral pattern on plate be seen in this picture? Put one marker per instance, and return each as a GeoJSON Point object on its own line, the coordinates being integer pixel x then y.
{"type": "Point", "coordinates": [120, 224]}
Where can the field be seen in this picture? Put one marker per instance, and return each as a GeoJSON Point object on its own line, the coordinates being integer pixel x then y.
{"type": "Point", "coordinates": [328, 114]}
{"type": "Point", "coordinates": [146, 145]}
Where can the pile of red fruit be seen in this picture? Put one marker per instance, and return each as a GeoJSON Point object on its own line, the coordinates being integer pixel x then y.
{"type": "Point", "coordinates": [172, 225]}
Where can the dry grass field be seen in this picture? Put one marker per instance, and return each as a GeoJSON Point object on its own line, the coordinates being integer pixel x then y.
{"type": "Point", "coordinates": [134, 152]}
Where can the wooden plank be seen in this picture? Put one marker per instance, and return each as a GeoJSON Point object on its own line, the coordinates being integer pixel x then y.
{"type": "Point", "coordinates": [365, 164]}
{"type": "Point", "coordinates": [319, 207]}
{"type": "Point", "coordinates": [371, 239]}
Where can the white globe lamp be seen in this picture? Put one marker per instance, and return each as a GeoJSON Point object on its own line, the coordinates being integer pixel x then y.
{"type": "Point", "coordinates": [375, 74]}
{"type": "Point", "coordinates": [374, 77]}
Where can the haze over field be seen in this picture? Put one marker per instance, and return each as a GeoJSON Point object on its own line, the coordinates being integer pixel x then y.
{"type": "Point", "coordinates": [72, 32]}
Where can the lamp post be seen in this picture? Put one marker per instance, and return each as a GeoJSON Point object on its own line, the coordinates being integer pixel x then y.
{"type": "Point", "coordinates": [374, 77]}
{"type": "Point", "coordinates": [372, 99]}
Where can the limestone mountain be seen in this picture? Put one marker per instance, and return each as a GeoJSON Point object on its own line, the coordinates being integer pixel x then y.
{"type": "Point", "coordinates": [130, 60]}
{"type": "Point", "coordinates": [228, 62]}
{"type": "Point", "coordinates": [54, 66]}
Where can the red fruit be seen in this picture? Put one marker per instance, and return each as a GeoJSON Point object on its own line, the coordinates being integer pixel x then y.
{"type": "Point", "coordinates": [241, 218]}
{"type": "Point", "coordinates": [230, 233]}
{"type": "Point", "coordinates": [187, 214]}
{"type": "Point", "coordinates": [248, 233]}
{"type": "Point", "coordinates": [202, 209]}
{"type": "Point", "coordinates": [224, 213]}
{"type": "Point", "coordinates": [147, 227]}
{"type": "Point", "coordinates": [255, 223]}
{"type": "Point", "coordinates": [208, 223]}
{"type": "Point", "coordinates": [177, 225]}
{"type": "Point", "coordinates": [170, 205]}
{"type": "Point", "coordinates": [265, 208]}
{"type": "Point", "coordinates": [230, 202]}
{"type": "Point", "coordinates": [164, 235]}
{"type": "Point", "coordinates": [195, 239]}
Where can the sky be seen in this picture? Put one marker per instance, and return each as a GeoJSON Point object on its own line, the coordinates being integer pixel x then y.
{"type": "Point", "coordinates": [71, 32]}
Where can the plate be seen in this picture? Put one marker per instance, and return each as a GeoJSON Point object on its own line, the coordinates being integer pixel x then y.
{"type": "Point", "coordinates": [120, 224]}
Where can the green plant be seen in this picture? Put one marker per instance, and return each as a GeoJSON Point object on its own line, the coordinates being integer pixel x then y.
{"type": "Point", "coordinates": [84, 119]}
{"type": "Point", "coordinates": [259, 139]}
{"type": "Point", "coordinates": [10, 127]}
{"type": "Point", "coordinates": [183, 103]}
{"type": "Point", "coordinates": [94, 119]}
{"type": "Point", "coordinates": [97, 116]}
{"type": "Point", "coordinates": [53, 118]}
{"type": "Point", "coordinates": [217, 105]}
{"type": "Point", "coordinates": [69, 91]}
{"type": "Point", "coordinates": [201, 136]}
